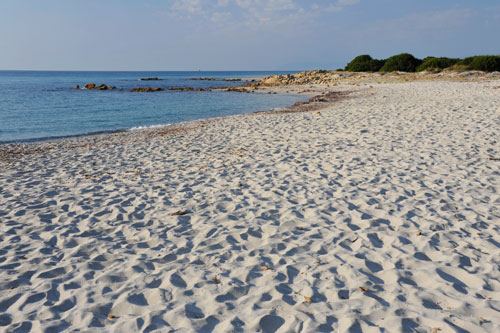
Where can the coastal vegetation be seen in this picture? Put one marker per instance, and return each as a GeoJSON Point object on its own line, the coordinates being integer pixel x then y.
{"type": "Point", "coordinates": [436, 64]}
{"type": "Point", "coordinates": [482, 63]}
{"type": "Point", "coordinates": [364, 63]}
{"type": "Point", "coordinates": [403, 62]}
{"type": "Point", "coordinates": [406, 62]}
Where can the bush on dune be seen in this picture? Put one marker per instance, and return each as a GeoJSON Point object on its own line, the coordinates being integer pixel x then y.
{"type": "Point", "coordinates": [483, 63]}
{"type": "Point", "coordinates": [431, 63]}
{"type": "Point", "coordinates": [364, 63]}
{"type": "Point", "coordinates": [403, 62]}
{"type": "Point", "coordinates": [465, 62]}
{"type": "Point", "coordinates": [406, 62]}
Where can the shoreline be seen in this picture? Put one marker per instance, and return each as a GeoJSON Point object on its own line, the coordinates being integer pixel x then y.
{"type": "Point", "coordinates": [89, 139]}
{"type": "Point", "coordinates": [314, 86]}
{"type": "Point", "coordinates": [117, 131]}
{"type": "Point", "coordinates": [90, 113]}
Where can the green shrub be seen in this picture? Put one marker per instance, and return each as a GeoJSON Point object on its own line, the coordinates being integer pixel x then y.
{"type": "Point", "coordinates": [485, 63]}
{"type": "Point", "coordinates": [431, 63]}
{"type": "Point", "coordinates": [364, 63]}
{"type": "Point", "coordinates": [403, 62]}
{"type": "Point", "coordinates": [467, 61]}
{"type": "Point", "coordinates": [406, 62]}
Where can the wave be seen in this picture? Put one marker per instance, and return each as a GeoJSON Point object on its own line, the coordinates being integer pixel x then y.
{"type": "Point", "coordinates": [148, 126]}
{"type": "Point", "coordinates": [80, 135]}
{"type": "Point", "coordinates": [61, 137]}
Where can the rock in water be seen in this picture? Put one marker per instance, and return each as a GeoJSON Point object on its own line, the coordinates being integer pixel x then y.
{"type": "Point", "coordinates": [181, 88]}
{"type": "Point", "coordinates": [147, 89]}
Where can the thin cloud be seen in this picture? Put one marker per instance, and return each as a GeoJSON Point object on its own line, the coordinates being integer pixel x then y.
{"type": "Point", "coordinates": [347, 2]}
{"type": "Point", "coordinates": [424, 22]}
{"type": "Point", "coordinates": [332, 9]}
{"type": "Point", "coordinates": [187, 6]}
{"type": "Point", "coordinates": [253, 11]}
{"type": "Point", "coordinates": [221, 17]}
{"type": "Point", "coordinates": [222, 3]}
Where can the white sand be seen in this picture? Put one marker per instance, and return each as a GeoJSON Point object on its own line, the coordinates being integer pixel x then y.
{"type": "Point", "coordinates": [392, 192]}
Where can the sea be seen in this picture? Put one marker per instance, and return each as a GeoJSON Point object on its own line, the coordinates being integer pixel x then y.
{"type": "Point", "coordinates": [43, 105]}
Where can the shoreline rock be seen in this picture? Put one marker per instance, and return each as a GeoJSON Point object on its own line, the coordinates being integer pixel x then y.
{"type": "Point", "coordinates": [329, 78]}
{"type": "Point", "coordinates": [214, 79]}
{"type": "Point", "coordinates": [92, 86]}
{"type": "Point", "coordinates": [181, 89]}
{"type": "Point", "coordinates": [147, 89]}
{"type": "Point", "coordinates": [189, 89]}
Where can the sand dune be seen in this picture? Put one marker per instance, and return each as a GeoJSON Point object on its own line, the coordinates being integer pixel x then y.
{"type": "Point", "coordinates": [379, 214]}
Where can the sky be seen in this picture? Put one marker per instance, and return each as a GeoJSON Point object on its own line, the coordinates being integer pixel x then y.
{"type": "Point", "coordinates": [238, 34]}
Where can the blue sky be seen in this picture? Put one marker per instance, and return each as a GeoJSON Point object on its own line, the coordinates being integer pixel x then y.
{"type": "Point", "coordinates": [238, 34]}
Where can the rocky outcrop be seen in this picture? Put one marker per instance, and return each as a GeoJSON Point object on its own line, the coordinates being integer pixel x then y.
{"type": "Point", "coordinates": [315, 103]}
{"type": "Point", "coordinates": [310, 77]}
{"type": "Point", "coordinates": [241, 89]}
{"type": "Point", "coordinates": [92, 86]}
{"type": "Point", "coordinates": [189, 89]}
{"type": "Point", "coordinates": [318, 99]}
{"type": "Point", "coordinates": [181, 89]}
{"type": "Point", "coordinates": [213, 79]}
{"type": "Point", "coordinates": [237, 89]}
{"type": "Point", "coordinates": [76, 87]}
{"type": "Point", "coordinates": [146, 89]}
{"type": "Point", "coordinates": [150, 79]}
{"type": "Point", "coordinates": [105, 87]}
{"type": "Point", "coordinates": [328, 78]}
{"type": "Point", "coordinates": [202, 79]}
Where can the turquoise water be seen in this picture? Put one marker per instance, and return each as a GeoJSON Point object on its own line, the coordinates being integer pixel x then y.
{"type": "Point", "coordinates": [42, 105]}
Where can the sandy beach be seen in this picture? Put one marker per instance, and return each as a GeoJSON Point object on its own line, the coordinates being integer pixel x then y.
{"type": "Point", "coordinates": [378, 213]}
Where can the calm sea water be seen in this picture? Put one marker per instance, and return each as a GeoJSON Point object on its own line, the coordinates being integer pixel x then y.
{"type": "Point", "coordinates": [42, 105]}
